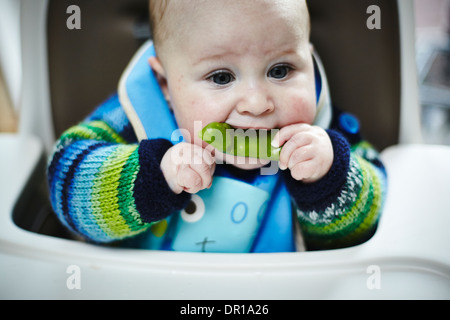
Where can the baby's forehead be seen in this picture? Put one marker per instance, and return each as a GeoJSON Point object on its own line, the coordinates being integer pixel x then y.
{"type": "Point", "coordinates": [183, 6]}
{"type": "Point", "coordinates": [177, 11]}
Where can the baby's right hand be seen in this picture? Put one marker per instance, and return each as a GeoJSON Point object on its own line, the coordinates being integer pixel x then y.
{"type": "Point", "coordinates": [188, 167]}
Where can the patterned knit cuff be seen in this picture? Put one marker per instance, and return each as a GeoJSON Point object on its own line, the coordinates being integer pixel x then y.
{"type": "Point", "coordinates": [320, 194]}
{"type": "Point", "coordinates": [154, 198]}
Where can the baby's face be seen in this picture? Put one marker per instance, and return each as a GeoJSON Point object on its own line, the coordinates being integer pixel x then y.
{"type": "Point", "coordinates": [246, 63]}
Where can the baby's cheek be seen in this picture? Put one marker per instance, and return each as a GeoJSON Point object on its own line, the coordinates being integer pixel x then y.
{"type": "Point", "coordinates": [192, 130]}
{"type": "Point", "coordinates": [302, 110]}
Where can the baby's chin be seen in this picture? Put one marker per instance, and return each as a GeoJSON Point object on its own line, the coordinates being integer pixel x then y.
{"type": "Point", "coordinates": [240, 162]}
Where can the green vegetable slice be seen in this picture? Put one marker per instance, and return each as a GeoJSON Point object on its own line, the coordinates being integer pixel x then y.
{"type": "Point", "coordinates": [249, 143]}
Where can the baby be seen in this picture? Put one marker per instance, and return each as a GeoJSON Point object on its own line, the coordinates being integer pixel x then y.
{"type": "Point", "coordinates": [245, 63]}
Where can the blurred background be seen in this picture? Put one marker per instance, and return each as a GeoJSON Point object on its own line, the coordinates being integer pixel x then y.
{"type": "Point", "coordinates": [433, 65]}
{"type": "Point", "coordinates": [433, 62]}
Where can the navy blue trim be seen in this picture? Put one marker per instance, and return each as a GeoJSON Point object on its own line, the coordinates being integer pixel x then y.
{"type": "Point", "coordinates": [320, 194]}
{"type": "Point", "coordinates": [153, 196]}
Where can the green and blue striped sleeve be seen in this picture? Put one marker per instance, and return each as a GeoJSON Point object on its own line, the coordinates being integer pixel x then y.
{"type": "Point", "coordinates": [344, 207]}
{"type": "Point", "coordinates": [104, 185]}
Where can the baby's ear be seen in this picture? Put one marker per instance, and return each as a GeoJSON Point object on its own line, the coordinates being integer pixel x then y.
{"type": "Point", "coordinates": [160, 74]}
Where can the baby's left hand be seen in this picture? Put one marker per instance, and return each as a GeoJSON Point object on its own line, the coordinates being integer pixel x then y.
{"type": "Point", "coordinates": [307, 151]}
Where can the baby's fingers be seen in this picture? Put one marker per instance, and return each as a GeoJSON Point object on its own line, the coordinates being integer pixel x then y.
{"type": "Point", "coordinates": [299, 155]}
{"type": "Point", "coordinates": [205, 172]}
{"type": "Point", "coordinates": [198, 174]}
{"type": "Point", "coordinates": [294, 150]}
{"type": "Point", "coordinates": [288, 132]}
{"type": "Point", "coordinates": [189, 180]}
{"type": "Point", "coordinates": [305, 171]}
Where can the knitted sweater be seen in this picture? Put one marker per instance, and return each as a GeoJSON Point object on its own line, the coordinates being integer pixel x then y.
{"type": "Point", "coordinates": [105, 186]}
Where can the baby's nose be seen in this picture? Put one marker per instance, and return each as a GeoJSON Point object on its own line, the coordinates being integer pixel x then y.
{"type": "Point", "coordinates": [255, 101]}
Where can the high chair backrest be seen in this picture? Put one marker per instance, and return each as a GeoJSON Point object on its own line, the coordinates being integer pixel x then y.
{"type": "Point", "coordinates": [86, 64]}
{"type": "Point", "coordinates": [365, 66]}
{"type": "Point", "coordinates": [362, 64]}
{"type": "Point", "coordinates": [368, 50]}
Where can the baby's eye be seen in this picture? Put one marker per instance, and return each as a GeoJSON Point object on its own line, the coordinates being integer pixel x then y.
{"type": "Point", "coordinates": [221, 78]}
{"type": "Point", "coordinates": [279, 71]}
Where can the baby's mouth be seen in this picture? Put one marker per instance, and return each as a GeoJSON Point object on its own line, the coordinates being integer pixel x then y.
{"type": "Point", "coordinates": [251, 128]}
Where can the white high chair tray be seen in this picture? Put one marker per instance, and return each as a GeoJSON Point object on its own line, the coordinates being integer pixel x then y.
{"type": "Point", "coordinates": [408, 257]}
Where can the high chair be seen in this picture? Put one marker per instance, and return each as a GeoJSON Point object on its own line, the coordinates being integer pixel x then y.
{"type": "Point", "coordinates": [66, 72]}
